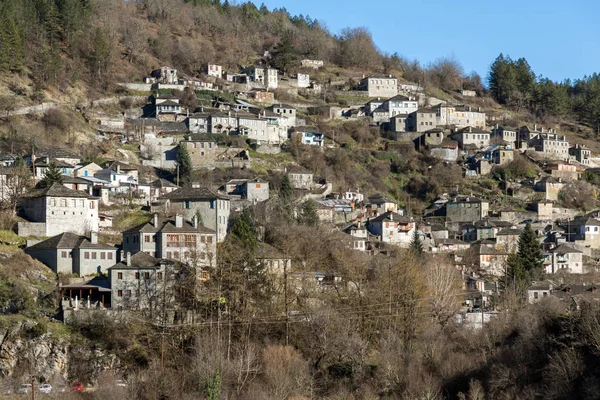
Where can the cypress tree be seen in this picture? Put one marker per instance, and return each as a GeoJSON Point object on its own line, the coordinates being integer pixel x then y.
{"type": "Point", "coordinates": [530, 253]}
{"type": "Point", "coordinates": [285, 188]}
{"type": "Point", "coordinates": [53, 175]}
{"type": "Point", "coordinates": [185, 165]}
{"type": "Point", "coordinates": [416, 246]}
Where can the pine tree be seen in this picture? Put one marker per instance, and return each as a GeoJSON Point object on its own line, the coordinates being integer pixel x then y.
{"type": "Point", "coordinates": [185, 166]}
{"type": "Point", "coordinates": [284, 54]}
{"type": "Point", "coordinates": [530, 253]}
{"type": "Point", "coordinates": [416, 246]}
{"type": "Point", "coordinates": [515, 271]}
{"type": "Point", "coordinates": [53, 175]}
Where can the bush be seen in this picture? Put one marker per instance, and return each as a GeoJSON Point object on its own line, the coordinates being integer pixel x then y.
{"type": "Point", "coordinates": [56, 119]}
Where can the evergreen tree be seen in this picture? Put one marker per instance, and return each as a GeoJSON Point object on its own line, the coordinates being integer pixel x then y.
{"type": "Point", "coordinates": [307, 214]}
{"type": "Point", "coordinates": [285, 189]}
{"type": "Point", "coordinates": [53, 175]}
{"type": "Point", "coordinates": [185, 166]}
{"type": "Point", "coordinates": [531, 258]}
{"type": "Point", "coordinates": [416, 246]}
{"type": "Point", "coordinates": [243, 230]}
{"type": "Point", "coordinates": [285, 53]}
{"type": "Point", "coordinates": [515, 271]}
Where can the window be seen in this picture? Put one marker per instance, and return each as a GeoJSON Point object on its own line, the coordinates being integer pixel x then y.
{"type": "Point", "coordinates": [137, 275]}
{"type": "Point", "coordinates": [258, 185]}
{"type": "Point", "coordinates": [535, 295]}
{"type": "Point", "coordinates": [187, 204]}
{"type": "Point", "coordinates": [110, 256]}
{"type": "Point", "coordinates": [92, 206]}
{"type": "Point", "coordinates": [119, 293]}
{"type": "Point", "coordinates": [102, 255]}
{"type": "Point", "coordinates": [172, 240]}
{"type": "Point", "coordinates": [63, 202]}
{"type": "Point", "coordinates": [128, 293]}
{"type": "Point", "coordinates": [86, 255]}
{"type": "Point", "coordinates": [64, 254]}
{"type": "Point", "coordinates": [159, 275]}
{"type": "Point", "coordinates": [73, 203]}
{"type": "Point", "coordinates": [119, 275]}
{"type": "Point", "coordinates": [146, 275]}
{"type": "Point", "coordinates": [176, 255]}
{"type": "Point", "coordinates": [190, 241]}
{"type": "Point", "coordinates": [93, 255]}
{"type": "Point", "coordinates": [169, 254]}
{"type": "Point", "coordinates": [137, 293]}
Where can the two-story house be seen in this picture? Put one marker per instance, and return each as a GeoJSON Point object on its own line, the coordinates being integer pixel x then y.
{"type": "Point", "coordinates": [393, 228]}
{"type": "Point", "coordinates": [466, 209]}
{"type": "Point", "coordinates": [254, 190]}
{"type": "Point", "coordinates": [56, 209]}
{"type": "Point", "coordinates": [379, 85]}
{"type": "Point", "coordinates": [564, 258]}
{"type": "Point", "coordinates": [470, 137]}
{"type": "Point", "coordinates": [68, 253]}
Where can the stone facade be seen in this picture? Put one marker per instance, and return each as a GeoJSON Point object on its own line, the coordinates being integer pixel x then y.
{"type": "Point", "coordinates": [61, 210]}
{"type": "Point", "coordinates": [213, 208]}
{"type": "Point", "coordinates": [466, 209]}
{"type": "Point", "coordinates": [379, 85]}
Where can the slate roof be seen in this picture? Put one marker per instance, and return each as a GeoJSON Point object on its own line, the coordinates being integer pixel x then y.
{"type": "Point", "coordinates": [391, 217]}
{"type": "Point", "coordinates": [266, 251]}
{"type": "Point", "coordinates": [201, 193]}
{"type": "Point", "coordinates": [564, 249]}
{"type": "Point", "coordinates": [68, 240]}
{"type": "Point", "coordinates": [57, 190]}
{"type": "Point", "coordinates": [167, 225]}
{"type": "Point", "coordinates": [138, 260]}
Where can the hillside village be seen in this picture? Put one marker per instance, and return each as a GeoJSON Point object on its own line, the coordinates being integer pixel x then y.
{"type": "Point", "coordinates": [309, 208]}
{"type": "Point", "coordinates": [187, 221]}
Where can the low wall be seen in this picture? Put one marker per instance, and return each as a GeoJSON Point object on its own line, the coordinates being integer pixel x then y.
{"type": "Point", "coordinates": [31, 229]}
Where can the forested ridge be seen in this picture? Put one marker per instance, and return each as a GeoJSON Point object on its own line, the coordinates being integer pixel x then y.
{"type": "Point", "coordinates": [62, 42]}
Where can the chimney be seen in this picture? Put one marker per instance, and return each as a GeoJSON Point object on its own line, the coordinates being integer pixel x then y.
{"type": "Point", "coordinates": [535, 127]}
{"type": "Point", "coordinates": [128, 259]}
{"type": "Point", "coordinates": [121, 255]}
{"type": "Point", "coordinates": [94, 237]}
{"type": "Point", "coordinates": [118, 168]}
{"type": "Point", "coordinates": [155, 220]}
{"type": "Point", "coordinates": [179, 221]}
{"type": "Point", "coordinates": [195, 220]}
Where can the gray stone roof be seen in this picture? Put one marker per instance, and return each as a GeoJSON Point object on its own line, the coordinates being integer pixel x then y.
{"type": "Point", "coordinates": [391, 217]}
{"type": "Point", "coordinates": [201, 193]}
{"type": "Point", "coordinates": [68, 240]}
{"type": "Point", "coordinates": [57, 190]}
{"type": "Point", "coordinates": [167, 225]}
{"type": "Point", "coordinates": [138, 260]}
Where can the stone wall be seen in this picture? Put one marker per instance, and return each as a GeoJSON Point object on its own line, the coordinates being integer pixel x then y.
{"type": "Point", "coordinates": [31, 229]}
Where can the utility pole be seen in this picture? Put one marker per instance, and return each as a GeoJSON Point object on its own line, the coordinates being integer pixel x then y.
{"type": "Point", "coordinates": [32, 387]}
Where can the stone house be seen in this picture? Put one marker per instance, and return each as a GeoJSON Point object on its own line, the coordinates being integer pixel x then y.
{"type": "Point", "coordinates": [488, 259]}
{"type": "Point", "coordinates": [466, 209]}
{"type": "Point", "coordinates": [392, 228]}
{"type": "Point", "coordinates": [56, 209]}
{"type": "Point", "coordinates": [544, 210]}
{"type": "Point", "coordinates": [314, 64]}
{"type": "Point", "coordinates": [213, 208]}
{"type": "Point", "coordinates": [399, 123]}
{"type": "Point", "coordinates": [303, 80]}
{"type": "Point", "coordinates": [253, 190]}
{"type": "Point", "coordinates": [508, 239]}
{"type": "Point", "coordinates": [156, 188]}
{"type": "Point", "coordinates": [273, 260]}
{"type": "Point", "coordinates": [300, 178]}
{"type": "Point", "coordinates": [53, 153]}
{"type": "Point", "coordinates": [164, 75]}
{"type": "Point", "coordinates": [450, 246]}
{"type": "Point", "coordinates": [460, 116]}
{"type": "Point", "coordinates": [214, 70]}
{"type": "Point", "coordinates": [378, 204]}
{"type": "Point", "coordinates": [447, 151]}
{"type": "Point", "coordinates": [581, 154]}
{"type": "Point", "coordinates": [508, 136]}
{"type": "Point", "coordinates": [564, 258]}
{"type": "Point", "coordinates": [563, 171]}
{"type": "Point", "coordinates": [198, 122]}
{"type": "Point", "coordinates": [308, 135]}
{"type": "Point", "coordinates": [223, 122]}
{"type": "Point", "coordinates": [468, 93]}
{"type": "Point", "coordinates": [584, 230]}
{"type": "Point", "coordinates": [470, 137]}
{"type": "Point", "coordinates": [68, 253]}
{"type": "Point", "coordinates": [175, 239]}
{"type": "Point", "coordinates": [265, 76]}
{"type": "Point", "coordinates": [502, 156]}
{"type": "Point", "coordinates": [287, 111]}
{"type": "Point", "coordinates": [551, 186]}
{"type": "Point", "coordinates": [379, 85]}
{"type": "Point", "coordinates": [538, 291]}
{"type": "Point", "coordinates": [422, 120]}
{"type": "Point", "coordinates": [137, 282]}
{"type": "Point", "coordinates": [254, 127]}
{"type": "Point", "coordinates": [87, 169]}
{"type": "Point", "coordinates": [40, 167]}
{"type": "Point", "coordinates": [207, 154]}
{"type": "Point", "coordinates": [551, 144]}
{"type": "Point", "coordinates": [9, 183]}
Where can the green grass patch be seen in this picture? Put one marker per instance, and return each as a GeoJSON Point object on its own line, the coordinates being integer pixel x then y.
{"type": "Point", "coordinates": [128, 220]}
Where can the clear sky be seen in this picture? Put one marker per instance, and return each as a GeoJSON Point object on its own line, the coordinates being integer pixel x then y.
{"type": "Point", "coordinates": [559, 39]}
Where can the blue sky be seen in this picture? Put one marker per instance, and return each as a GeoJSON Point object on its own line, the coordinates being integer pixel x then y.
{"type": "Point", "coordinates": [559, 39]}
